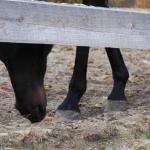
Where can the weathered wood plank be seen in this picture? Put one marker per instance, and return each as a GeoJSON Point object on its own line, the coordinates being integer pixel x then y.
{"type": "Point", "coordinates": [49, 23]}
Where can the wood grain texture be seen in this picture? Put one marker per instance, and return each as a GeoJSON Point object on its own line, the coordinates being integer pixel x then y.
{"type": "Point", "coordinates": [49, 23]}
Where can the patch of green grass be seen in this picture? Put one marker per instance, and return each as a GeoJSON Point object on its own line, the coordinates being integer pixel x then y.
{"type": "Point", "coordinates": [32, 148]}
{"type": "Point", "coordinates": [28, 148]}
{"type": "Point", "coordinates": [113, 145]}
{"type": "Point", "coordinates": [105, 142]}
{"type": "Point", "coordinates": [147, 135]}
{"type": "Point", "coordinates": [135, 135]}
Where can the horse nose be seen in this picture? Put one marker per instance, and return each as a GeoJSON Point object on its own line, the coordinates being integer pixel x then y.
{"type": "Point", "coordinates": [34, 114]}
{"type": "Point", "coordinates": [38, 106]}
{"type": "Point", "coordinates": [32, 105]}
{"type": "Point", "coordinates": [37, 113]}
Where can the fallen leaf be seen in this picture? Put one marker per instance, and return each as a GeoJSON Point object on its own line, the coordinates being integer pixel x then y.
{"type": "Point", "coordinates": [76, 126]}
{"type": "Point", "coordinates": [71, 66]}
{"type": "Point", "coordinates": [47, 119]}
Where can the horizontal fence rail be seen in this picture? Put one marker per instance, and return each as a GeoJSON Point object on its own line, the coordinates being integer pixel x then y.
{"type": "Point", "coordinates": [50, 23]}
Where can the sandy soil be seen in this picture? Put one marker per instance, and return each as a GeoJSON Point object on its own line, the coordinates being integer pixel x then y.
{"type": "Point", "coordinates": [96, 130]}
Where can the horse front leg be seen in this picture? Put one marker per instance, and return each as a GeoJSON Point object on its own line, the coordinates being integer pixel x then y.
{"type": "Point", "coordinates": [117, 98]}
{"type": "Point", "coordinates": [69, 109]}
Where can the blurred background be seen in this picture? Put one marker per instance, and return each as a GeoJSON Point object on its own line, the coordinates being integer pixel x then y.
{"type": "Point", "coordinates": [116, 3]}
{"type": "Point", "coordinates": [130, 3]}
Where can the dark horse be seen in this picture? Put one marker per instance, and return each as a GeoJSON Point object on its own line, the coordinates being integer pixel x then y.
{"type": "Point", "coordinates": [26, 64]}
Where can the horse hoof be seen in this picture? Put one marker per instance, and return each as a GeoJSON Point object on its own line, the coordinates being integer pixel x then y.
{"type": "Point", "coordinates": [66, 116]}
{"type": "Point", "coordinates": [120, 105]}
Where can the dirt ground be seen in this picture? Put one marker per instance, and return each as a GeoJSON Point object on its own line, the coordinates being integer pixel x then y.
{"type": "Point", "coordinates": [129, 130]}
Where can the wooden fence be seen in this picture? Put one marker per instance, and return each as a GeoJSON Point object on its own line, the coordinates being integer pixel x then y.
{"type": "Point", "coordinates": [50, 23]}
